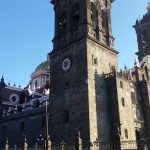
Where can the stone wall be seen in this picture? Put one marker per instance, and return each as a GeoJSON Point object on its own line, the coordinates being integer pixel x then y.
{"type": "Point", "coordinates": [123, 117]}
{"type": "Point", "coordinates": [69, 95]}
{"type": "Point", "coordinates": [145, 97]}
{"type": "Point", "coordinates": [100, 60]}
{"type": "Point", "coordinates": [125, 109]}
{"type": "Point", "coordinates": [29, 123]}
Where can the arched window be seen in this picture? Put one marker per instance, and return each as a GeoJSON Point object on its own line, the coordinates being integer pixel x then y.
{"type": "Point", "coordinates": [22, 126]}
{"type": "Point", "coordinates": [36, 83]}
{"type": "Point", "coordinates": [12, 112]}
{"type": "Point", "coordinates": [66, 84]}
{"type": "Point", "coordinates": [104, 19]}
{"type": "Point", "coordinates": [75, 15]}
{"type": "Point", "coordinates": [138, 113]}
{"type": "Point", "coordinates": [138, 135]}
{"type": "Point", "coordinates": [19, 108]}
{"type": "Point", "coordinates": [133, 97]}
{"type": "Point", "coordinates": [121, 84]}
{"type": "Point", "coordinates": [146, 72]}
{"type": "Point", "coordinates": [113, 68]}
{"type": "Point", "coordinates": [4, 130]}
{"type": "Point", "coordinates": [66, 116]}
{"type": "Point", "coordinates": [123, 101]}
{"type": "Point", "coordinates": [93, 14]}
{"type": "Point", "coordinates": [145, 35]}
{"type": "Point", "coordinates": [37, 103]}
{"type": "Point", "coordinates": [43, 122]}
{"type": "Point", "coordinates": [62, 22]}
{"type": "Point", "coordinates": [126, 133]}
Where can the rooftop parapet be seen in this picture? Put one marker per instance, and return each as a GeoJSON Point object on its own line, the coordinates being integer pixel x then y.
{"type": "Point", "coordinates": [123, 74]}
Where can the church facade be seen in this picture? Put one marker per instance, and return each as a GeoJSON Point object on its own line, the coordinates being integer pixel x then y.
{"type": "Point", "coordinates": [88, 97]}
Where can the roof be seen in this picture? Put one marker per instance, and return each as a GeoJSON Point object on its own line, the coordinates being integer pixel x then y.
{"type": "Point", "coordinates": [44, 65]}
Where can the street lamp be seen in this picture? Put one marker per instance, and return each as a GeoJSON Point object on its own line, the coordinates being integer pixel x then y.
{"type": "Point", "coordinates": [46, 138]}
{"type": "Point", "coordinates": [40, 140]}
{"type": "Point", "coordinates": [46, 127]}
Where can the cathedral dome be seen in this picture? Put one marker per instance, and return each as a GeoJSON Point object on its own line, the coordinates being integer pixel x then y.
{"type": "Point", "coordinates": [44, 65]}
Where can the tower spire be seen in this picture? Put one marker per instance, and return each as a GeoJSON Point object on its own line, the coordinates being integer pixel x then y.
{"type": "Point", "coordinates": [2, 79]}
{"type": "Point", "coordinates": [148, 7]}
{"type": "Point", "coordinates": [2, 82]}
{"type": "Point", "coordinates": [142, 31]}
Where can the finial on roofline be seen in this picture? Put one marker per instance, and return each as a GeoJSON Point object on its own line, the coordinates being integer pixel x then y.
{"type": "Point", "coordinates": [136, 62]}
{"type": "Point", "coordinates": [125, 67]}
{"type": "Point", "coordinates": [112, 1]}
{"type": "Point", "coordinates": [2, 82]}
{"type": "Point", "coordinates": [2, 79]}
{"type": "Point", "coordinates": [14, 84]}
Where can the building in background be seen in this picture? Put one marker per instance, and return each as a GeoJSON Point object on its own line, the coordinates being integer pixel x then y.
{"type": "Point", "coordinates": [18, 104]}
{"type": "Point", "coordinates": [88, 97]}
{"type": "Point", "coordinates": [17, 99]}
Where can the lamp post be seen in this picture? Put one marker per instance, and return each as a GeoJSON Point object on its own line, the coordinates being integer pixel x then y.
{"type": "Point", "coordinates": [46, 138]}
{"type": "Point", "coordinates": [40, 139]}
{"type": "Point", "coordinates": [46, 127]}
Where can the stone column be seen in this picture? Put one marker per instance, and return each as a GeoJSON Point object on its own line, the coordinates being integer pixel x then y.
{"type": "Point", "coordinates": [62, 145]}
{"type": "Point", "coordinates": [25, 144]}
{"type": "Point", "coordinates": [36, 146]}
{"type": "Point", "coordinates": [80, 144]}
{"type": "Point", "coordinates": [15, 147]}
{"type": "Point", "coordinates": [49, 144]}
{"type": "Point", "coordinates": [6, 145]}
{"type": "Point", "coordinates": [96, 145]}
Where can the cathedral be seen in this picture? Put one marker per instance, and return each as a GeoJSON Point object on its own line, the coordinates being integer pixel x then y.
{"type": "Point", "coordinates": [79, 96]}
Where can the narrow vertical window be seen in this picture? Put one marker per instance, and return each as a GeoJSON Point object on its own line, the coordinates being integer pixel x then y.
{"type": "Point", "coordinates": [126, 133]}
{"type": "Point", "coordinates": [93, 13]}
{"type": "Point", "coordinates": [37, 103]}
{"type": "Point", "coordinates": [147, 74]}
{"type": "Point", "coordinates": [4, 131]}
{"type": "Point", "coordinates": [43, 122]}
{"type": "Point", "coordinates": [104, 19]}
{"type": "Point", "coordinates": [133, 98]}
{"type": "Point", "coordinates": [75, 15]}
{"type": "Point", "coordinates": [123, 101]}
{"type": "Point", "coordinates": [121, 84]}
{"type": "Point", "coordinates": [22, 126]}
{"type": "Point", "coordinates": [113, 68]}
{"type": "Point", "coordinates": [62, 22]}
{"type": "Point", "coordinates": [95, 61]}
{"type": "Point", "coordinates": [65, 116]}
{"type": "Point", "coordinates": [36, 84]}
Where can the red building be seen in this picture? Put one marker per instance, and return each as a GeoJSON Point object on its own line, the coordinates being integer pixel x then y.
{"type": "Point", "coordinates": [17, 99]}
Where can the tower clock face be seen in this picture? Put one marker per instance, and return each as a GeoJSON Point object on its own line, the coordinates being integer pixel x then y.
{"type": "Point", "coordinates": [66, 64]}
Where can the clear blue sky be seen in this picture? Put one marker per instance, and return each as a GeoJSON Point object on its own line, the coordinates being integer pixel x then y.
{"type": "Point", "coordinates": [26, 31]}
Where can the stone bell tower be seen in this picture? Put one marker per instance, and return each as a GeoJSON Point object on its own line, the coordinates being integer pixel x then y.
{"type": "Point", "coordinates": [83, 51]}
{"type": "Point", "coordinates": [142, 28]}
